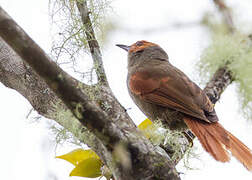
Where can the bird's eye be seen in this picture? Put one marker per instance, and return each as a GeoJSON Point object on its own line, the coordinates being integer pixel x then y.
{"type": "Point", "coordinates": [139, 43]}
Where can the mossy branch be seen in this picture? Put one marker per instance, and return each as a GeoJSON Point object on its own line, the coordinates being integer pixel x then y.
{"type": "Point", "coordinates": [92, 42]}
{"type": "Point", "coordinates": [230, 56]}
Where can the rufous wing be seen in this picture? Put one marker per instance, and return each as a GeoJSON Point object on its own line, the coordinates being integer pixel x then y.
{"type": "Point", "coordinates": [173, 90]}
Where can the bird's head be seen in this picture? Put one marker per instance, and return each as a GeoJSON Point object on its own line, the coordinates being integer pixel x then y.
{"type": "Point", "coordinates": [143, 51]}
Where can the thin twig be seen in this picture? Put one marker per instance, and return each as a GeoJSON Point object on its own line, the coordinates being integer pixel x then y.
{"type": "Point", "coordinates": [226, 14]}
{"type": "Point", "coordinates": [92, 42]}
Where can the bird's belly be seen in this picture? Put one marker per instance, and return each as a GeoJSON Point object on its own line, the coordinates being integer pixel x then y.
{"type": "Point", "coordinates": [170, 118]}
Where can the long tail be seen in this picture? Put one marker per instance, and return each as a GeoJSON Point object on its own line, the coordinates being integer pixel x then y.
{"type": "Point", "coordinates": [216, 140]}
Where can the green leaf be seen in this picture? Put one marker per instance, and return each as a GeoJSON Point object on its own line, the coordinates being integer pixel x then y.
{"type": "Point", "coordinates": [90, 168]}
{"type": "Point", "coordinates": [78, 155]}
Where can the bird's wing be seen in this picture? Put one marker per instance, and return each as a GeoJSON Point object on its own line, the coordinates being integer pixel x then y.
{"type": "Point", "coordinates": [172, 89]}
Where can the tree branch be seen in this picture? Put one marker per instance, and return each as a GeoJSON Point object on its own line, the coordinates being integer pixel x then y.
{"type": "Point", "coordinates": [223, 76]}
{"type": "Point", "coordinates": [92, 42]}
{"type": "Point", "coordinates": [60, 82]}
{"type": "Point", "coordinates": [148, 162]}
{"type": "Point", "coordinates": [226, 14]}
{"type": "Point", "coordinates": [221, 79]}
{"type": "Point", "coordinates": [19, 76]}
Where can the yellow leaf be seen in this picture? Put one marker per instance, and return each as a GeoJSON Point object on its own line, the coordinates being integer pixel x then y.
{"type": "Point", "coordinates": [147, 127]}
{"type": "Point", "coordinates": [90, 168]}
{"type": "Point", "coordinates": [78, 155]}
{"type": "Point", "coordinates": [145, 124]}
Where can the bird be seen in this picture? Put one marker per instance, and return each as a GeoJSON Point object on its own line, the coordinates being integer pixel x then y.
{"type": "Point", "coordinates": [165, 93]}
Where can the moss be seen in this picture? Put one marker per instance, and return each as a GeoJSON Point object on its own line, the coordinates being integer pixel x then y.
{"type": "Point", "coordinates": [72, 131]}
{"type": "Point", "coordinates": [93, 92]}
{"type": "Point", "coordinates": [60, 76]}
{"type": "Point", "coordinates": [190, 154]}
{"type": "Point", "coordinates": [78, 111]}
{"type": "Point", "coordinates": [235, 51]}
{"type": "Point", "coordinates": [122, 156]}
{"type": "Point", "coordinates": [155, 133]}
{"type": "Point", "coordinates": [160, 136]}
{"type": "Point", "coordinates": [70, 41]}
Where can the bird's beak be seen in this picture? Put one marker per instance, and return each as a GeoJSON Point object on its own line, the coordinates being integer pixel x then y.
{"type": "Point", "coordinates": [125, 47]}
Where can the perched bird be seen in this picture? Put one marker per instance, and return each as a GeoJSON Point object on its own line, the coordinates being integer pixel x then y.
{"type": "Point", "coordinates": [164, 92]}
